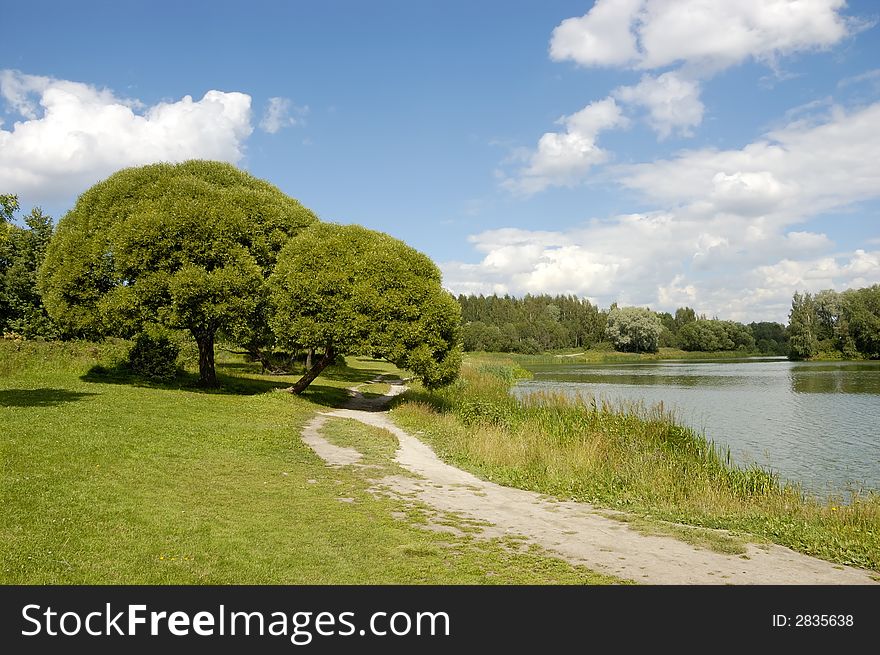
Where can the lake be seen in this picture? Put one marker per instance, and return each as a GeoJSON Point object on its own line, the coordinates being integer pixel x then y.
{"type": "Point", "coordinates": [817, 423]}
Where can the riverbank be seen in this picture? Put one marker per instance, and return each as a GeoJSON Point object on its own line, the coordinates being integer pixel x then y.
{"type": "Point", "coordinates": [361, 437]}
{"type": "Point", "coordinates": [628, 458]}
{"type": "Point", "coordinates": [604, 356]}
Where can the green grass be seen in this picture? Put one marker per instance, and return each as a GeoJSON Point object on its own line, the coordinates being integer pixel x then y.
{"type": "Point", "coordinates": [718, 541]}
{"type": "Point", "coordinates": [108, 480]}
{"type": "Point", "coordinates": [376, 445]}
{"type": "Point", "coordinates": [375, 389]}
{"type": "Point", "coordinates": [628, 458]}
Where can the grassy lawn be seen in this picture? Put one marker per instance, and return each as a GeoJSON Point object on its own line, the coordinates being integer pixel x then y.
{"type": "Point", "coordinates": [107, 481]}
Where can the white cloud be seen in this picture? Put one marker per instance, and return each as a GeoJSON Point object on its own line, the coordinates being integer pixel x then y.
{"type": "Point", "coordinates": [602, 37]}
{"type": "Point", "coordinates": [701, 37]}
{"type": "Point", "coordinates": [857, 269]}
{"type": "Point", "coordinates": [665, 261]}
{"type": "Point", "coordinates": [797, 171]}
{"type": "Point", "coordinates": [730, 239]}
{"type": "Point", "coordinates": [73, 134]}
{"type": "Point", "coordinates": [677, 293]}
{"type": "Point", "coordinates": [593, 260]}
{"type": "Point", "coordinates": [672, 101]}
{"type": "Point", "coordinates": [278, 115]}
{"type": "Point", "coordinates": [562, 158]}
{"type": "Point", "coordinates": [764, 292]}
{"type": "Point", "coordinates": [868, 76]}
{"type": "Point", "coordinates": [717, 34]}
{"type": "Point", "coordinates": [808, 241]}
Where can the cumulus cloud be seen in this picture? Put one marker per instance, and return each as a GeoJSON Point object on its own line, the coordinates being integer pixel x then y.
{"type": "Point", "coordinates": [604, 36]}
{"type": "Point", "coordinates": [796, 171]}
{"type": "Point", "coordinates": [650, 34]}
{"type": "Point", "coordinates": [563, 157]}
{"type": "Point", "coordinates": [775, 283]}
{"type": "Point", "coordinates": [859, 268]}
{"type": "Point", "coordinates": [281, 113]}
{"type": "Point", "coordinates": [73, 134]}
{"type": "Point", "coordinates": [673, 102]}
{"type": "Point", "coordinates": [700, 37]}
{"type": "Point", "coordinates": [655, 261]}
{"type": "Point", "coordinates": [732, 238]}
{"type": "Point", "coordinates": [594, 260]}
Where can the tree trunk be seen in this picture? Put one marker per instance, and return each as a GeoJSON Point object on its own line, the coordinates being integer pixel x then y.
{"type": "Point", "coordinates": [315, 371]}
{"type": "Point", "coordinates": [309, 355]}
{"type": "Point", "coordinates": [207, 374]}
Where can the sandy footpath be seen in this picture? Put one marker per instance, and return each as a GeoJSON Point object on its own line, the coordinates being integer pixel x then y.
{"type": "Point", "coordinates": [576, 532]}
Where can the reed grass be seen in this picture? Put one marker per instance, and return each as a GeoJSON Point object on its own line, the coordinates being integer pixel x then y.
{"type": "Point", "coordinates": [632, 457]}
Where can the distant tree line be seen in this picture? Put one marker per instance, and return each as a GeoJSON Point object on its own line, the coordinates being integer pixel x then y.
{"type": "Point", "coordinates": [533, 324]}
{"type": "Point", "coordinates": [530, 324]}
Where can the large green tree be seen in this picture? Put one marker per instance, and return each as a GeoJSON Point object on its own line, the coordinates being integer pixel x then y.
{"type": "Point", "coordinates": [345, 289]}
{"type": "Point", "coordinates": [803, 327]}
{"type": "Point", "coordinates": [634, 329]}
{"type": "Point", "coordinates": [861, 314]}
{"type": "Point", "coordinates": [8, 206]}
{"type": "Point", "coordinates": [188, 246]}
{"type": "Point", "coordinates": [831, 323]}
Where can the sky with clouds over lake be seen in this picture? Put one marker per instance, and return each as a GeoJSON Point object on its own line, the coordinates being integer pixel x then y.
{"type": "Point", "coordinates": [659, 153]}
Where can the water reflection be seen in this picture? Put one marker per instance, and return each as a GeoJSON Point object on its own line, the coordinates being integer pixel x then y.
{"type": "Point", "coordinates": [821, 377]}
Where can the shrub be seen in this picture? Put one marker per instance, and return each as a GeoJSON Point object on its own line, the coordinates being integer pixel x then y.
{"type": "Point", "coordinates": [154, 356]}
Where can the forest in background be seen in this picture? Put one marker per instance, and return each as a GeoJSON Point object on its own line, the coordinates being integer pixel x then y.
{"type": "Point", "coordinates": [533, 324]}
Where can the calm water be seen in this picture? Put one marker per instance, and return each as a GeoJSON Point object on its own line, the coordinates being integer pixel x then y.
{"type": "Point", "coordinates": [817, 423]}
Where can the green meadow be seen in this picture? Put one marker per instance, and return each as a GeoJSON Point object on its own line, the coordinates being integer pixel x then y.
{"type": "Point", "coordinates": [110, 480]}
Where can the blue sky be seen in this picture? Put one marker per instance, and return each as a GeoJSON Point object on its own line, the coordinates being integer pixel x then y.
{"type": "Point", "coordinates": [713, 154]}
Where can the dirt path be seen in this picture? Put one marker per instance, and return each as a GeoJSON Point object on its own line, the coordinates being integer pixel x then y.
{"type": "Point", "coordinates": [574, 531]}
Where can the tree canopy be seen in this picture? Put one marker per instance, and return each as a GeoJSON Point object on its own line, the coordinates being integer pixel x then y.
{"type": "Point", "coordinates": [634, 329]}
{"type": "Point", "coordinates": [187, 246]}
{"type": "Point", "coordinates": [712, 335]}
{"type": "Point", "coordinates": [21, 253]}
{"type": "Point", "coordinates": [348, 290]}
{"type": "Point", "coordinates": [836, 324]}
{"type": "Point", "coordinates": [8, 206]}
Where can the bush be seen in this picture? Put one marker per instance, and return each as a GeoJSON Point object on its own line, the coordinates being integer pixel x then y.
{"type": "Point", "coordinates": [154, 356]}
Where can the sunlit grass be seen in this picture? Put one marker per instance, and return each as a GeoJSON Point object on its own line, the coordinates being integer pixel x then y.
{"type": "Point", "coordinates": [629, 457]}
{"type": "Point", "coordinates": [105, 479]}
{"type": "Point", "coordinates": [377, 445]}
